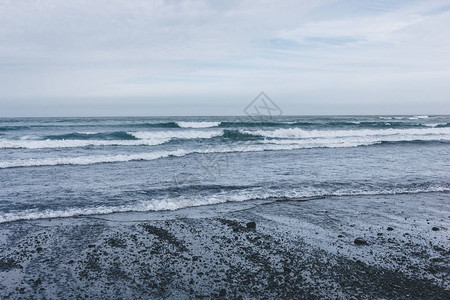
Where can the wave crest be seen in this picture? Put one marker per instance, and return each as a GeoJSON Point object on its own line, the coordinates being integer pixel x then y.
{"type": "Point", "coordinates": [203, 124]}
{"type": "Point", "coordinates": [116, 135]}
{"type": "Point", "coordinates": [193, 201]}
{"type": "Point", "coordinates": [301, 133]}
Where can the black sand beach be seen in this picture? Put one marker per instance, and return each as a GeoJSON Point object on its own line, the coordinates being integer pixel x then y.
{"type": "Point", "coordinates": [254, 250]}
{"type": "Point", "coordinates": [200, 149]}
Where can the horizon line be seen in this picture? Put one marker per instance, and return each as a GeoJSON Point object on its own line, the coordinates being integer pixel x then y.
{"type": "Point", "coordinates": [193, 116]}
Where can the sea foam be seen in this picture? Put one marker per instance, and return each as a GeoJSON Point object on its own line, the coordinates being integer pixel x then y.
{"type": "Point", "coordinates": [198, 124]}
{"type": "Point", "coordinates": [167, 204]}
{"type": "Point", "coordinates": [321, 140]}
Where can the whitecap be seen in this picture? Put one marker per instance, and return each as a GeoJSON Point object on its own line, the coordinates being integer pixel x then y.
{"type": "Point", "coordinates": [168, 204]}
{"type": "Point", "coordinates": [42, 144]}
{"type": "Point", "coordinates": [308, 134]}
{"type": "Point", "coordinates": [198, 124]}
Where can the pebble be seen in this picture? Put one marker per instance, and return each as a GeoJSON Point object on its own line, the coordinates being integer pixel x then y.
{"type": "Point", "coordinates": [360, 241]}
{"type": "Point", "coordinates": [251, 225]}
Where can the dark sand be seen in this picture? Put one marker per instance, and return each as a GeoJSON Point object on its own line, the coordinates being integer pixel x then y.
{"type": "Point", "coordinates": [299, 249]}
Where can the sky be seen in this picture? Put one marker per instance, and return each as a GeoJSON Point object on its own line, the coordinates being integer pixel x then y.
{"type": "Point", "coordinates": [177, 57]}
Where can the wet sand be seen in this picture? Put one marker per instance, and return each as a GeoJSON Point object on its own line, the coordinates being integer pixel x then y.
{"type": "Point", "coordinates": [254, 250]}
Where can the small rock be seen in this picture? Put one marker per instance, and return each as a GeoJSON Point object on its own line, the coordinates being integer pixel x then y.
{"type": "Point", "coordinates": [379, 234]}
{"type": "Point", "coordinates": [390, 229]}
{"type": "Point", "coordinates": [251, 225]}
{"type": "Point", "coordinates": [222, 293]}
{"type": "Point", "coordinates": [340, 236]}
{"type": "Point", "coordinates": [38, 249]}
{"type": "Point", "coordinates": [436, 259]}
{"type": "Point", "coordinates": [435, 228]}
{"type": "Point", "coordinates": [360, 241]}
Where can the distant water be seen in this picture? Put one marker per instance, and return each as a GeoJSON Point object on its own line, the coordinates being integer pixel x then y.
{"type": "Point", "coordinates": [60, 167]}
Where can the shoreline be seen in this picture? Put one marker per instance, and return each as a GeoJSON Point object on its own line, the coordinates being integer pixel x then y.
{"type": "Point", "coordinates": [297, 249]}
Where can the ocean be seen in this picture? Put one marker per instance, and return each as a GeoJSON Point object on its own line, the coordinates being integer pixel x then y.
{"type": "Point", "coordinates": [63, 167]}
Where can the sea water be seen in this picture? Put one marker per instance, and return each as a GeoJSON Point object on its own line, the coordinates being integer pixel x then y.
{"type": "Point", "coordinates": [62, 167]}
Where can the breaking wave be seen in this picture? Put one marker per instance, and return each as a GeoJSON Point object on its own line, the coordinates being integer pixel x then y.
{"type": "Point", "coordinates": [174, 203]}
{"type": "Point", "coordinates": [300, 133]}
{"type": "Point", "coordinates": [140, 138]}
{"type": "Point", "coordinates": [42, 144]}
{"type": "Point", "coordinates": [297, 136]}
{"type": "Point", "coordinates": [291, 140]}
{"type": "Point", "coordinates": [198, 124]}
{"type": "Point", "coordinates": [117, 135]}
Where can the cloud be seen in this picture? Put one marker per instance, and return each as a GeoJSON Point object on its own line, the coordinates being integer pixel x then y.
{"type": "Point", "coordinates": [376, 29]}
{"type": "Point", "coordinates": [158, 52]}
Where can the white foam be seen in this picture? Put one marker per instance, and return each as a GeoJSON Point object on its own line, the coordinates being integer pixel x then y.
{"type": "Point", "coordinates": [95, 159]}
{"type": "Point", "coordinates": [178, 134]}
{"type": "Point", "coordinates": [170, 203]}
{"type": "Point", "coordinates": [434, 124]}
{"type": "Point", "coordinates": [87, 160]}
{"type": "Point", "coordinates": [143, 206]}
{"type": "Point", "coordinates": [41, 144]}
{"type": "Point", "coordinates": [145, 138]}
{"type": "Point", "coordinates": [329, 140]}
{"type": "Point", "coordinates": [308, 134]}
{"type": "Point", "coordinates": [341, 142]}
{"type": "Point", "coordinates": [198, 124]}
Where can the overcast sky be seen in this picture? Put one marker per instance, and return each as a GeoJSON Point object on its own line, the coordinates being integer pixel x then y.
{"type": "Point", "coordinates": [122, 57]}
